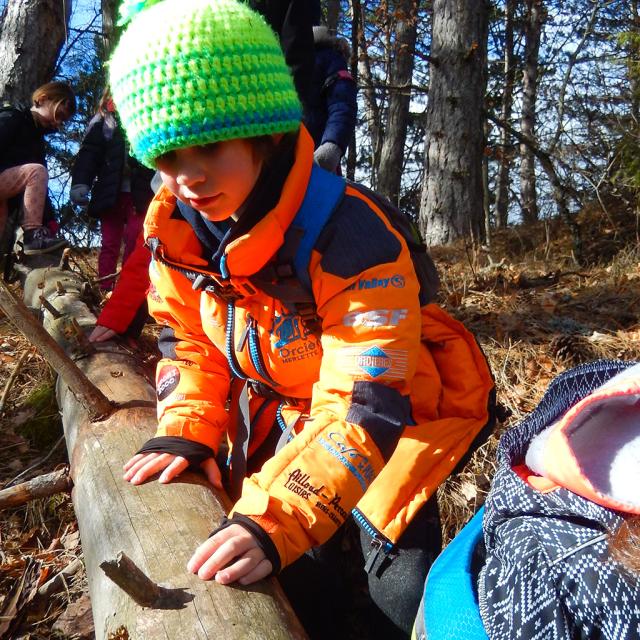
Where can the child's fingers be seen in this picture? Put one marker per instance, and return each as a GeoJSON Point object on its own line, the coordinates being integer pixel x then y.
{"type": "Point", "coordinates": [149, 466]}
{"type": "Point", "coordinates": [132, 461]}
{"type": "Point", "coordinates": [261, 570]}
{"type": "Point", "coordinates": [174, 469]}
{"type": "Point", "coordinates": [243, 569]}
{"type": "Point", "coordinates": [140, 461]}
{"type": "Point", "coordinates": [203, 553]}
{"type": "Point", "coordinates": [235, 547]}
{"type": "Point", "coordinates": [212, 472]}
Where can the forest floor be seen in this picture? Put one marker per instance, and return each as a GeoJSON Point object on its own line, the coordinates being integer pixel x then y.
{"type": "Point", "coordinates": [533, 310]}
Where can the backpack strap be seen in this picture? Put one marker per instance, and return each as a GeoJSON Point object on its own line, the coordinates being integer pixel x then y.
{"type": "Point", "coordinates": [288, 278]}
{"type": "Point", "coordinates": [324, 193]}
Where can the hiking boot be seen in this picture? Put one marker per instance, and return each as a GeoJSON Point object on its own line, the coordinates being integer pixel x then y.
{"type": "Point", "coordinates": [41, 240]}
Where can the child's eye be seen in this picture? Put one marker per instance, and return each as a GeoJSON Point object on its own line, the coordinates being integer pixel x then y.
{"type": "Point", "coordinates": [165, 159]}
{"type": "Point", "coordinates": [209, 148]}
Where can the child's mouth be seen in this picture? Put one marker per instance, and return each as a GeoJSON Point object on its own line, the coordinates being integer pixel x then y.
{"type": "Point", "coordinates": [203, 203]}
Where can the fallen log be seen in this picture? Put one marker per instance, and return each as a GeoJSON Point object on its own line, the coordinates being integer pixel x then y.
{"type": "Point", "coordinates": [156, 526]}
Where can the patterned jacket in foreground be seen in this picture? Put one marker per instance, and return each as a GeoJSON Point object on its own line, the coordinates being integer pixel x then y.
{"type": "Point", "coordinates": [384, 401]}
{"type": "Point", "coordinates": [548, 575]}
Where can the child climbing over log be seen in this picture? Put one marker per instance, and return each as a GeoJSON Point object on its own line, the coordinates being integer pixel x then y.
{"type": "Point", "coordinates": [23, 165]}
{"type": "Point", "coordinates": [299, 324]}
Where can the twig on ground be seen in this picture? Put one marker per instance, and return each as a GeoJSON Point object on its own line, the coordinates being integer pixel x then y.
{"type": "Point", "coordinates": [35, 465]}
{"type": "Point", "coordinates": [39, 487]}
{"type": "Point", "coordinates": [12, 378]}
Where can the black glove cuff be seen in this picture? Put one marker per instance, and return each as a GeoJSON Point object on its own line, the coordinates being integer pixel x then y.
{"type": "Point", "coordinates": [194, 452]}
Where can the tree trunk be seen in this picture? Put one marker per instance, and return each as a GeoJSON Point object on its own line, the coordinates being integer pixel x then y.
{"type": "Point", "coordinates": [372, 108]}
{"type": "Point", "coordinates": [109, 19]}
{"type": "Point", "coordinates": [31, 36]}
{"type": "Point", "coordinates": [157, 526]}
{"type": "Point", "coordinates": [451, 202]}
{"type": "Point", "coordinates": [400, 75]}
{"type": "Point", "coordinates": [532, 33]}
{"type": "Point", "coordinates": [333, 15]}
{"type": "Point", "coordinates": [505, 149]}
{"type": "Point", "coordinates": [352, 156]}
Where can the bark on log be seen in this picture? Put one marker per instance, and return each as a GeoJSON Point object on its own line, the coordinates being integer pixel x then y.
{"type": "Point", "coordinates": [157, 526]}
{"type": "Point", "coordinates": [39, 487]}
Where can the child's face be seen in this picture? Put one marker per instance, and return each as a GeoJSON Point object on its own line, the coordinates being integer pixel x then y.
{"type": "Point", "coordinates": [53, 113]}
{"type": "Point", "coordinates": [214, 179]}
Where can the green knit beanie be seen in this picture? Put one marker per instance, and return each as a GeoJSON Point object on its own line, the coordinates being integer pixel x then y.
{"type": "Point", "coordinates": [193, 72]}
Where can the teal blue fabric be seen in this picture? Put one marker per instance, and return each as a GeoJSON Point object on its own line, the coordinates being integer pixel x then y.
{"type": "Point", "coordinates": [449, 609]}
{"type": "Point", "coordinates": [323, 195]}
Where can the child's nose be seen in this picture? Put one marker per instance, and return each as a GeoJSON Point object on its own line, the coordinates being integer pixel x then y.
{"type": "Point", "coordinates": [190, 177]}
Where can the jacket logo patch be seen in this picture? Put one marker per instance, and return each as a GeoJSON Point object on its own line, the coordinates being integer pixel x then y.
{"type": "Point", "coordinates": [375, 362]}
{"type": "Point", "coordinates": [289, 328]}
{"type": "Point", "coordinates": [300, 484]}
{"type": "Point", "coordinates": [375, 318]}
{"type": "Point", "coordinates": [168, 380]}
{"type": "Point", "coordinates": [357, 463]}
{"type": "Point", "coordinates": [396, 281]}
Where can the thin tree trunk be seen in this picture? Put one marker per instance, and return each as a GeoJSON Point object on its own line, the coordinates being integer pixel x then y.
{"type": "Point", "coordinates": [635, 82]}
{"type": "Point", "coordinates": [333, 15]}
{"type": "Point", "coordinates": [532, 32]}
{"type": "Point", "coordinates": [31, 36]}
{"type": "Point", "coordinates": [372, 108]}
{"type": "Point", "coordinates": [109, 15]}
{"type": "Point", "coordinates": [353, 63]}
{"type": "Point", "coordinates": [506, 155]}
{"type": "Point", "coordinates": [451, 202]}
{"type": "Point", "coordinates": [400, 76]}
{"type": "Point", "coordinates": [573, 57]}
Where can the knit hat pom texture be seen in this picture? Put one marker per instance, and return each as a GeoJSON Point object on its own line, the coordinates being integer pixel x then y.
{"type": "Point", "coordinates": [194, 72]}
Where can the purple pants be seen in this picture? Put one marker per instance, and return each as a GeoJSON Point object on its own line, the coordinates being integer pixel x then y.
{"type": "Point", "coordinates": [121, 223]}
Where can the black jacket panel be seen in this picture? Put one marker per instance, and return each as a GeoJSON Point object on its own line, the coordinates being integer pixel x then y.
{"type": "Point", "coordinates": [21, 139]}
{"type": "Point", "coordinates": [102, 159]}
{"type": "Point", "coordinates": [292, 20]}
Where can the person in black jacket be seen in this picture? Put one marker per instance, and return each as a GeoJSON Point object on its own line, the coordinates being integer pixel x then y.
{"type": "Point", "coordinates": [23, 163]}
{"type": "Point", "coordinates": [119, 185]}
{"type": "Point", "coordinates": [293, 21]}
{"type": "Point", "coordinates": [331, 110]}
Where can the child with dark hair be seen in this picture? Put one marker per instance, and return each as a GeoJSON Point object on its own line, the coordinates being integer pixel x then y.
{"type": "Point", "coordinates": [267, 273]}
{"type": "Point", "coordinates": [23, 165]}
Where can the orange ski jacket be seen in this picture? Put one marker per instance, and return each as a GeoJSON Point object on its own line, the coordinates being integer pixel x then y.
{"type": "Point", "coordinates": [375, 410]}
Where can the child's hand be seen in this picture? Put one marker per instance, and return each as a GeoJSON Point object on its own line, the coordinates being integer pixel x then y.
{"type": "Point", "coordinates": [144, 465]}
{"type": "Point", "coordinates": [231, 555]}
{"type": "Point", "coordinates": [100, 334]}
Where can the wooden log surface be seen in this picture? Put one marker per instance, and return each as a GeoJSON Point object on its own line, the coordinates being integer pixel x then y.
{"type": "Point", "coordinates": [157, 526]}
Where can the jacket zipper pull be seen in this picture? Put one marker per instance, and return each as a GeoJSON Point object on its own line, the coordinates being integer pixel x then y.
{"type": "Point", "coordinates": [244, 335]}
{"type": "Point", "coordinates": [373, 556]}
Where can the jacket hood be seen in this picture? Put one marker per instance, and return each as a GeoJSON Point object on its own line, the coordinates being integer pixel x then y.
{"type": "Point", "coordinates": [594, 448]}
